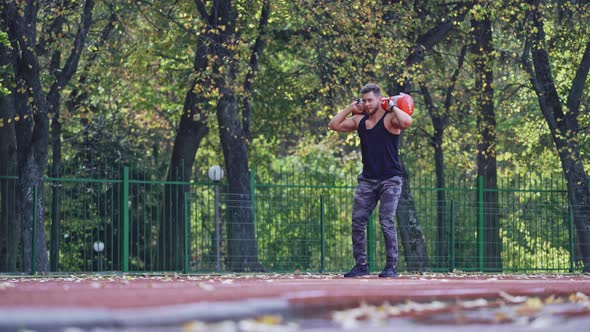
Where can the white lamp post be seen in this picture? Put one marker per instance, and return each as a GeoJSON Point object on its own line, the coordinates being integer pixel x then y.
{"type": "Point", "coordinates": [99, 248]}
{"type": "Point", "coordinates": [216, 174]}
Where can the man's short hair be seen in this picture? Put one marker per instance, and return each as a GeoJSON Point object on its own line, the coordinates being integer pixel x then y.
{"type": "Point", "coordinates": [371, 87]}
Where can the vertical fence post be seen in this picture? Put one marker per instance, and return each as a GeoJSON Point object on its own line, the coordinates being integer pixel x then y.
{"type": "Point", "coordinates": [480, 219]}
{"type": "Point", "coordinates": [125, 233]}
{"type": "Point", "coordinates": [452, 249]}
{"type": "Point", "coordinates": [571, 236]}
{"type": "Point", "coordinates": [217, 229]}
{"type": "Point", "coordinates": [34, 235]}
{"type": "Point", "coordinates": [322, 234]}
{"type": "Point", "coordinates": [253, 195]}
{"type": "Point", "coordinates": [185, 265]}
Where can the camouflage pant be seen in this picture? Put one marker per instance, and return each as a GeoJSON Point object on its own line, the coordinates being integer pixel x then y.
{"type": "Point", "coordinates": [367, 193]}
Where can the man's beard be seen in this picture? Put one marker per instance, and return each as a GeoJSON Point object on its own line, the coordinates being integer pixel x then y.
{"type": "Point", "coordinates": [373, 110]}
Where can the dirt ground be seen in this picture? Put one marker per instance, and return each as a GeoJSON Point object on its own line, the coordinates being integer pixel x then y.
{"type": "Point", "coordinates": [181, 302]}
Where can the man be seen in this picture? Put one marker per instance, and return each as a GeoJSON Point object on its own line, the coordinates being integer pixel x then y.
{"type": "Point", "coordinates": [381, 179]}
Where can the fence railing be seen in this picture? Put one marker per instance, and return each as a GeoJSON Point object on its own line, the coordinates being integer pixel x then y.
{"type": "Point", "coordinates": [125, 222]}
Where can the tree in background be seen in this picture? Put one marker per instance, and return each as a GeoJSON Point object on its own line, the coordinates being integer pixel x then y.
{"type": "Point", "coordinates": [34, 105]}
{"type": "Point", "coordinates": [563, 122]}
{"type": "Point", "coordinates": [224, 67]}
{"type": "Point", "coordinates": [9, 227]}
{"type": "Point", "coordinates": [403, 79]}
{"type": "Point", "coordinates": [483, 51]}
{"type": "Point", "coordinates": [440, 115]}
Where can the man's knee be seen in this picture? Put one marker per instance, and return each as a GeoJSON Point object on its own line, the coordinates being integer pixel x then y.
{"type": "Point", "coordinates": [359, 226]}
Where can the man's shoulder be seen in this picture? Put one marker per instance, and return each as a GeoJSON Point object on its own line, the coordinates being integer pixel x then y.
{"type": "Point", "coordinates": [358, 118]}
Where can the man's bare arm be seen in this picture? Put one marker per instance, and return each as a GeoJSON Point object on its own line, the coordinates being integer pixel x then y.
{"type": "Point", "coordinates": [341, 122]}
{"type": "Point", "coordinates": [400, 119]}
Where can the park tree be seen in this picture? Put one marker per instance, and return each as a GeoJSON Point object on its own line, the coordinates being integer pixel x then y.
{"type": "Point", "coordinates": [404, 79]}
{"type": "Point", "coordinates": [77, 104]}
{"type": "Point", "coordinates": [9, 228]}
{"type": "Point", "coordinates": [561, 100]}
{"type": "Point", "coordinates": [234, 117]}
{"type": "Point", "coordinates": [33, 27]}
{"type": "Point", "coordinates": [440, 108]}
{"type": "Point", "coordinates": [224, 66]}
{"type": "Point", "coordinates": [483, 51]}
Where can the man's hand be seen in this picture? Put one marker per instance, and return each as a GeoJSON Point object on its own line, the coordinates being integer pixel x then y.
{"type": "Point", "coordinates": [358, 107]}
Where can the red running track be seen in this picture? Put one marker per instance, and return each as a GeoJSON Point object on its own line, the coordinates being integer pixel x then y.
{"type": "Point", "coordinates": [114, 292]}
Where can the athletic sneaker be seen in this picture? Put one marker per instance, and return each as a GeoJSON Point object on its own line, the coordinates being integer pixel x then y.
{"type": "Point", "coordinates": [389, 271]}
{"type": "Point", "coordinates": [358, 270]}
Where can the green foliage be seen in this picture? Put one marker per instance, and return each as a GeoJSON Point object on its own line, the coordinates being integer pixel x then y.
{"type": "Point", "coordinates": [82, 219]}
{"type": "Point", "coordinates": [315, 60]}
{"type": "Point", "coordinates": [5, 43]}
{"type": "Point", "coordinates": [4, 38]}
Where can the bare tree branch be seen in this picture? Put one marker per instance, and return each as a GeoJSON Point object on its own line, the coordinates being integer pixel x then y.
{"type": "Point", "coordinates": [256, 50]}
{"type": "Point", "coordinates": [202, 10]}
{"type": "Point", "coordinates": [579, 83]}
{"type": "Point", "coordinates": [71, 64]}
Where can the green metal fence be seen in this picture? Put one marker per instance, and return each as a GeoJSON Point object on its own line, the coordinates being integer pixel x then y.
{"type": "Point", "coordinates": [109, 219]}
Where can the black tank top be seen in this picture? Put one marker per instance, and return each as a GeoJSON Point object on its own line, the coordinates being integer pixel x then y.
{"type": "Point", "coordinates": [380, 151]}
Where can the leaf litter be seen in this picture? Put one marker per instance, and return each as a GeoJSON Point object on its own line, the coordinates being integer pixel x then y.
{"type": "Point", "coordinates": [507, 309]}
{"type": "Point", "coordinates": [532, 311]}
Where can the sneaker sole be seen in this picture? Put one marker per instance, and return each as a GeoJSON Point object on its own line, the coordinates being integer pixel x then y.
{"type": "Point", "coordinates": [357, 276]}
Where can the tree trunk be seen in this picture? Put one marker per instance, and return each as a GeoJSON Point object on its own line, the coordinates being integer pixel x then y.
{"type": "Point", "coordinates": [214, 45]}
{"type": "Point", "coordinates": [439, 123]}
{"type": "Point", "coordinates": [415, 252]}
{"type": "Point", "coordinates": [191, 131]}
{"type": "Point", "coordinates": [54, 104]}
{"type": "Point", "coordinates": [410, 229]}
{"type": "Point", "coordinates": [188, 139]}
{"type": "Point", "coordinates": [32, 141]}
{"type": "Point", "coordinates": [9, 225]}
{"type": "Point", "coordinates": [486, 157]}
{"type": "Point", "coordinates": [30, 203]}
{"type": "Point", "coordinates": [33, 108]}
{"type": "Point", "coordinates": [564, 126]}
{"type": "Point", "coordinates": [242, 255]}
{"type": "Point", "coordinates": [234, 127]}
